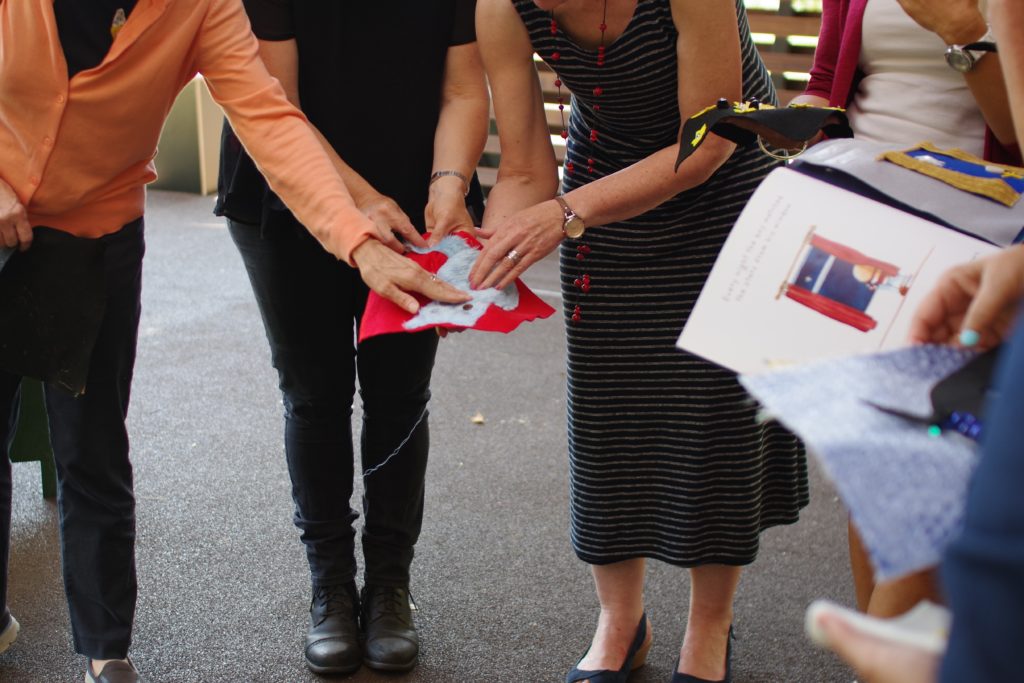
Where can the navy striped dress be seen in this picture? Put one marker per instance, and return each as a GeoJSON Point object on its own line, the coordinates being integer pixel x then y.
{"type": "Point", "coordinates": [666, 458]}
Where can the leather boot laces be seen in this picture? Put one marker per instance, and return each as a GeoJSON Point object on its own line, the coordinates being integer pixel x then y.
{"type": "Point", "coordinates": [390, 602]}
{"type": "Point", "coordinates": [334, 600]}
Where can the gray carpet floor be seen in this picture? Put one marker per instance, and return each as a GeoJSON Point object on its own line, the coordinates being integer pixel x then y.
{"type": "Point", "coordinates": [224, 588]}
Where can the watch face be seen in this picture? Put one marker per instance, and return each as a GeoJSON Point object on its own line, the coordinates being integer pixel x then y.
{"type": "Point", "coordinates": [959, 59]}
{"type": "Point", "coordinates": [574, 228]}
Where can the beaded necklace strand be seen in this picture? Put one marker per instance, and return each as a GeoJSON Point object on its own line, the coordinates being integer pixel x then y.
{"type": "Point", "coordinates": [581, 283]}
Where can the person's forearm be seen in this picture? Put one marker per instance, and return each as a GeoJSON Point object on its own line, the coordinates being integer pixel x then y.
{"type": "Point", "coordinates": [461, 134]}
{"type": "Point", "coordinates": [647, 183]}
{"type": "Point", "coordinates": [1007, 18]}
{"type": "Point", "coordinates": [985, 80]}
{"type": "Point", "coordinates": [362, 191]}
{"type": "Point", "coordinates": [988, 88]}
{"type": "Point", "coordinates": [282, 61]}
{"type": "Point", "coordinates": [812, 100]}
{"type": "Point", "coordinates": [514, 192]}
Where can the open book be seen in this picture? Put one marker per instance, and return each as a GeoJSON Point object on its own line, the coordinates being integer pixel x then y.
{"type": "Point", "coordinates": [813, 271]}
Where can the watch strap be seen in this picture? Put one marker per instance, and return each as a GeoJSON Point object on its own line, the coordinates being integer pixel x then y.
{"type": "Point", "coordinates": [566, 209]}
{"type": "Point", "coordinates": [981, 46]}
{"type": "Point", "coordinates": [978, 48]}
{"type": "Point", "coordinates": [571, 219]}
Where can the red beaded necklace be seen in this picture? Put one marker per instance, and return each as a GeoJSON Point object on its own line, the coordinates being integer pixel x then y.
{"type": "Point", "coordinates": [581, 283]}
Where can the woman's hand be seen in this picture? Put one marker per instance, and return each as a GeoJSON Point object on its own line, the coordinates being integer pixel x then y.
{"type": "Point", "coordinates": [974, 304]}
{"type": "Point", "coordinates": [389, 220]}
{"type": "Point", "coordinates": [393, 276]}
{"type": "Point", "coordinates": [957, 22]}
{"type": "Point", "coordinates": [518, 241]}
{"type": "Point", "coordinates": [15, 230]}
{"type": "Point", "coordinates": [446, 209]}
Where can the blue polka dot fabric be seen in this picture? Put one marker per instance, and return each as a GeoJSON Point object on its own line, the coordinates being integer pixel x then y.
{"type": "Point", "coordinates": [904, 484]}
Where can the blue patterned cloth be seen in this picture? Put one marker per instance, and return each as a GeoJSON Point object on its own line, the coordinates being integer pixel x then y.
{"type": "Point", "coordinates": [905, 488]}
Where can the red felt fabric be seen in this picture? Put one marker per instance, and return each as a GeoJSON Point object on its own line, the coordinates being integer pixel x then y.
{"type": "Point", "coordinates": [831, 308]}
{"type": "Point", "coordinates": [383, 317]}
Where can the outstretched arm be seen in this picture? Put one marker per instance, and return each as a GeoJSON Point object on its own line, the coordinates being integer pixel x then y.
{"type": "Point", "coordinates": [459, 140]}
{"type": "Point", "coordinates": [281, 58]}
{"type": "Point", "coordinates": [297, 168]}
{"type": "Point", "coordinates": [708, 55]}
{"type": "Point", "coordinates": [528, 171]}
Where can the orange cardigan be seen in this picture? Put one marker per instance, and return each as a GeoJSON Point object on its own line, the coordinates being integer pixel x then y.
{"type": "Point", "coordinates": [79, 154]}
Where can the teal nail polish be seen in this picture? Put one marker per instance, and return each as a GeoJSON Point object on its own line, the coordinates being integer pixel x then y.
{"type": "Point", "coordinates": [969, 337]}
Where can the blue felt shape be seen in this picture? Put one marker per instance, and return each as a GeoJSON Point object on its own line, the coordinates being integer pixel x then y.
{"type": "Point", "coordinates": [970, 168]}
{"type": "Point", "coordinates": [904, 488]}
{"type": "Point", "coordinates": [455, 271]}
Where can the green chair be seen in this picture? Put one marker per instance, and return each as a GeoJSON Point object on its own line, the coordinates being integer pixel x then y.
{"type": "Point", "coordinates": [32, 435]}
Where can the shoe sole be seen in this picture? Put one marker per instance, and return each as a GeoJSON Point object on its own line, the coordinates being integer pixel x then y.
{"type": "Point", "coordinates": [10, 634]}
{"type": "Point", "coordinates": [387, 666]}
{"type": "Point", "coordinates": [333, 669]}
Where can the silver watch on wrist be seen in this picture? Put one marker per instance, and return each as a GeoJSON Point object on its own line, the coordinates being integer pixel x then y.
{"type": "Point", "coordinates": [962, 58]}
{"type": "Point", "coordinates": [573, 226]}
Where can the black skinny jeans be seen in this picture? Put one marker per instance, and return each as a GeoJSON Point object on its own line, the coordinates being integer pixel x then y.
{"type": "Point", "coordinates": [94, 476]}
{"type": "Point", "coordinates": [310, 303]}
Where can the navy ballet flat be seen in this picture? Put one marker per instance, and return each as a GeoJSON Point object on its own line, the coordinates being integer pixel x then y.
{"type": "Point", "coordinates": [687, 678]}
{"type": "Point", "coordinates": [635, 658]}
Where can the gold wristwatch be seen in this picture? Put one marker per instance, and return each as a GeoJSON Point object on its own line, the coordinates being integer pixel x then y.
{"type": "Point", "coordinates": [573, 226]}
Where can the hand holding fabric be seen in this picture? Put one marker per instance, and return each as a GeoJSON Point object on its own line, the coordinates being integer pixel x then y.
{"type": "Point", "coordinates": [974, 304]}
{"type": "Point", "coordinates": [490, 310]}
{"type": "Point", "coordinates": [516, 243]}
{"type": "Point", "coordinates": [957, 22]}
{"type": "Point", "coordinates": [15, 230]}
{"type": "Point", "coordinates": [389, 220]}
{"type": "Point", "coordinates": [393, 276]}
{"type": "Point", "coordinates": [446, 210]}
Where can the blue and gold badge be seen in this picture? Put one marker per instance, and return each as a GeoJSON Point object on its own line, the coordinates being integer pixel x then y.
{"type": "Point", "coordinates": [964, 171]}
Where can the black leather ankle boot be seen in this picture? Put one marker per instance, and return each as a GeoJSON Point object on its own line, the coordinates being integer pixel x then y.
{"type": "Point", "coordinates": [392, 643]}
{"type": "Point", "coordinates": [332, 644]}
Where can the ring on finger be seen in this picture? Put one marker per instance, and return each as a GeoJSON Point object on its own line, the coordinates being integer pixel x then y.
{"type": "Point", "coordinates": [513, 256]}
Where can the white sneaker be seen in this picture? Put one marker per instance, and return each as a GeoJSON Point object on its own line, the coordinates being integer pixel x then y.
{"type": "Point", "coordinates": [8, 629]}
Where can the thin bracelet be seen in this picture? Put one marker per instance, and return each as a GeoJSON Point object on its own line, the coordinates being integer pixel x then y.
{"type": "Point", "coordinates": [436, 175]}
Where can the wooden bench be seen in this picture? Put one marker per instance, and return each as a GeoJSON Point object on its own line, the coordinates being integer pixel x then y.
{"type": "Point", "coordinates": [785, 32]}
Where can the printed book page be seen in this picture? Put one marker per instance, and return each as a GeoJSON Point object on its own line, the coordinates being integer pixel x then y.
{"type": "Point", "coordinates": [813, 271]}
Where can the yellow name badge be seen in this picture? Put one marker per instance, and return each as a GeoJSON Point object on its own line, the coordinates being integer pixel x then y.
{"type": "Point", "coordinates": [118, 23]}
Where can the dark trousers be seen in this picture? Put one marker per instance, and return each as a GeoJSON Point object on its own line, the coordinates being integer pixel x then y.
{"type": "Point", "coordinates": [94, 476]}
{"type": "Point", "coordinates": [309, 303]}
